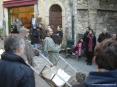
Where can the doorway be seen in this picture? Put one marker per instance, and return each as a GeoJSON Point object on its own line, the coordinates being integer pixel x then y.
{"type": "Point", "coordinates": [22, 13]}
{"type": "Point", "coordinates": [55, 17]}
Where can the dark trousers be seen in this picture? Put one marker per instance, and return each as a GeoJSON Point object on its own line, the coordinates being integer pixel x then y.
{"type": "Point", "coordinates": [89, 56]}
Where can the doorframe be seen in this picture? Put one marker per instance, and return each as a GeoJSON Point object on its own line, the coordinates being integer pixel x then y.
{"type": "Point", "coordinates": [10, 21]}
{"type": "Point", "coordinates": [50, 15]}
{"type": "Point", "coordinates": [63, 13]}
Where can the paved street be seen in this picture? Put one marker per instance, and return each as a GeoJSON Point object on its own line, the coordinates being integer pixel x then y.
{"type": "Point", "coordinates": [80, 64]}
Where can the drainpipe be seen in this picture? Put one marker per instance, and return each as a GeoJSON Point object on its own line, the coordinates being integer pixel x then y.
{"type": "Point", "coordinates": [72, 18]}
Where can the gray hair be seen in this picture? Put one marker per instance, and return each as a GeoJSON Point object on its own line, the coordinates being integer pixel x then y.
{"type": "Point", "coordinates": [13, 42]}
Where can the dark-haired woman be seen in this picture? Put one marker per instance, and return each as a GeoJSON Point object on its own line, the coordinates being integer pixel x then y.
{"type": "Point", "coordinates": [90, 45]}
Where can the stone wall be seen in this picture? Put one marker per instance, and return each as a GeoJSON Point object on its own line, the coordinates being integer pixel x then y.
{"type": "Point", "coordinates": [98, 14]}
{"type": "Point", "coordinates": [107, 15]}
{"type": "Point", "coordinates": [44, 7]}
{"type": "Point", "coordinates": [83, 18]}
{"type": "Point", "coordinates": [107, 19]}
{"type": "Point", "coordinates": [108, 4]}
{"type": "Point", "coordinates": [86, 16]}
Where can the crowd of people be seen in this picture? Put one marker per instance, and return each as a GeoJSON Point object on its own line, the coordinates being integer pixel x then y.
{"type": "Point", "coordinates": [86, 44]}
{"type": "Point", "coordinates": [15, 72]}
{"type": "Point", "coordinates": [105, 57]}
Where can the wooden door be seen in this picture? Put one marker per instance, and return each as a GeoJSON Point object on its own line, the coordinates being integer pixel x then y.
{"type": "Point", "coordinates": [55, 17]}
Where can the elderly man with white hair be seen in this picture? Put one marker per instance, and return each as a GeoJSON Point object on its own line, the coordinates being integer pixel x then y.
{"type": "Point", "coordinates": [14, 72]}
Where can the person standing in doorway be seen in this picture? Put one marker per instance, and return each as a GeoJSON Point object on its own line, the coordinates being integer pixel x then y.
{"type": "Point", "coordinates": [17, 24]}
{"type": "Point", "coordinates": [34, 22]}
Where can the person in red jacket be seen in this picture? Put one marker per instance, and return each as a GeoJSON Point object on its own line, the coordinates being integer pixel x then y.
{"type": "Point", "coordinates": [78, 50]}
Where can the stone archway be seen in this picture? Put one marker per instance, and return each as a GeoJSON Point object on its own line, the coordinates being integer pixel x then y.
{"type": "Point", "coordinates": [55, 16]}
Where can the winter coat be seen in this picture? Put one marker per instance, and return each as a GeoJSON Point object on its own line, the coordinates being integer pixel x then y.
{"type": "Point", "coordinates": [78, 48]}
{"type": "Point", "coordinates": [103, 36]}
{"type": "Point", "coordinates": [52, 49]}
{"type": "Point", "coordinates": [59, 35]}
{"type": "Point", "coordinates": [14, 72]}
{"type": "Point", "coordinates": [35, 39]}
{"type": "Point", "coordinates": [100, 79]}
{"type": "Point", "coordinates": [85, 37]}
{"type": "Point", "coordinates": [57, 39]}
{"type": "Point", "coordinates": [103, 79]}
{"type": "Point", "coordinates": [87, 41]}
{"type": "Point", "coordinates": [29, 52]}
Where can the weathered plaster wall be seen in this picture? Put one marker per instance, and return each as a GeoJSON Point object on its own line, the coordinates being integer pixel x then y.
{"type": "Point", "coordinates": [107, 15]}
{"type": "Point", "coordinates": [1, 14]}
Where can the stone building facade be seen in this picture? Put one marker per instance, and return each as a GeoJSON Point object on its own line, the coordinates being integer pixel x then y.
{"type": "Point", "coordinates": [23, 10]}
{"type": "Point", "coordinates": [74, 16]}
{"type": "Point", "coordinates": [96, 14]}
{"type": "Point", "coordinates": [44, 12]}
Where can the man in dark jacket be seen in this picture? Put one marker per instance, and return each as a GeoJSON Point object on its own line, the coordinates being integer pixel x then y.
{"type": "Point", "coordinates": [35, 39]}
{"type": "Point", "coordinates": [106, 61]}
{"type": "Point", "coordinates": [14, 72]}
{"type": "Point", "coordinates": [104, 35]}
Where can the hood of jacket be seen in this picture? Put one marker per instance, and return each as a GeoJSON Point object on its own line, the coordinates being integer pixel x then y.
{"type": "Point", "coordinates": [102, 79]}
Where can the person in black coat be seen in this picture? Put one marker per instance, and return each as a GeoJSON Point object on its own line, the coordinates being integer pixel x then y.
{"type": "Point", "coordinates": [104, 35]}
{"type": "Point", "coordinates": [90, 44]}
{"type": "Point", "coordinates": [35, 38]}
{"type": "Point", "coordinates": [59, 33]}
{"type": "Point", "coordinates": [84, 39]}
{"type": "Point", "coordinates": [14, 72]}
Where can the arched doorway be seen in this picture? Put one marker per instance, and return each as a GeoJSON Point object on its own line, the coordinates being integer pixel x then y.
{"type": "Point", "coordinates": [55, 17]}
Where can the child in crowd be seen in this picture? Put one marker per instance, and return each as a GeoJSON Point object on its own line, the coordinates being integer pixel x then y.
{"type": "Point", "coordinates": [78, 50]}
